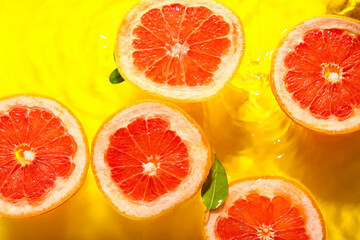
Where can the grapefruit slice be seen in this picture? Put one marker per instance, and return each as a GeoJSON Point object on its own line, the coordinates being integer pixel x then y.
{"type": "Point", "coordinates": [184, 50]}
{"type": "Point", "coordinates": [149, 158]}
{"type": "Point", "coordinates": [315, 74]}
{"type": "Point", "coordinates": [267, 208]}
{"type": "Point", "coordinates": [43, 155]}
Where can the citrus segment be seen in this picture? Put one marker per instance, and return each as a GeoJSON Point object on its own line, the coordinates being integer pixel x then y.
{"type": "Point", "coordinates": [165, 37]}
{"type": "Point", "coordinates": [150, 169]}
{"type": "Point", "coordinates": [149, 158]}
{"type": "Point", "coordinates": [30, 177]}
{"type": "Point", "coordinates": [258, 216]}
{"type": "Point", "coordinates": [172, 27]}
{"type": "Point", "coordinates": [171, 47]}
{"type": "Point", "coordinates": [324, 56]}
{"type": "Point", "coordinates": [315, 67]}
{"type": "Point", "coordinates": [38, 155]}
{"type": "Point", "coordinates": [269, 208]}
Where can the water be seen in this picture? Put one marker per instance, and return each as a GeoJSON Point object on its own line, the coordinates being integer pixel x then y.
{"type": "Point", "coordinates": [253, 137]}
{"type": "Point", "coordinates": [349, 8]}
{"type": "Point", "coordinates": [64, 49]}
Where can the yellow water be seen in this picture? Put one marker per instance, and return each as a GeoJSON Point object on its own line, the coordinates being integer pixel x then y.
{"type": "Point", "coordinates": [64, 49]}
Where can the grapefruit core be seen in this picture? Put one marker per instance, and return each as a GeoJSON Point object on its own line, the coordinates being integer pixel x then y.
{"type": "Point", "coordinates": [267, 208]}
{"type": "Point", "coordinates": [149, 158]}
{"type": "Point", "coordinates": [181, 50]}
{"type": "Point", "coordinates": [43, 155]}
{"type": "Point", "coordinates": [315, 74]}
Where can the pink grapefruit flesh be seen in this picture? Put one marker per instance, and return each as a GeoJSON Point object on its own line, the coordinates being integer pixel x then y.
{"type": "Point", "coordinates": [35, 149]}
{"type": "Point", "coordinates": [258, 217]}
{"type": "Point", "coordinates": [323, 73]}
{"type": "Point", "coordinates": [150, 157]}
{"type": "Point", "coordinates": [314, 74]}
{"type": "Point", "coordinates": [184, 50]}
{"type": "Point", "coordinates": [179, 45]}
{"type": "Point", "coordinates": [147, 159]}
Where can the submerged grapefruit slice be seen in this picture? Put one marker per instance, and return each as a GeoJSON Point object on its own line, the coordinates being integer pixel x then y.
{"type": "Point", "coordinates": [268, 208]}
{"type": "Point", "coordinates": [183, 50]}
{"type": "Point", "coordinates": [149, 158]}
{"type": "Point", "coordinates": [43, 155]}
{"type": "Point", "coordinates": [315, 74]}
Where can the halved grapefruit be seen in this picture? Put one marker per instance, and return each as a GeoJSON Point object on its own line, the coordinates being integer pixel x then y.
{"type": "Point", "coordinates": [185, 50]}
{"type": "Point", "coordinates": [149, 158]}
{"type": "Point", "coordinates": [266, 208]}
{"type": "Point", "coordinates": [43, 155]}
{"type": "Point", "coordinates": [315, 74]}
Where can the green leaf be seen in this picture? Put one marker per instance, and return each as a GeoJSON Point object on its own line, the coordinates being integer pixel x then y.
{"type": "Point", "coordinates": [115, 77]}
{"type": "Point", "coordinates": [215, 188]}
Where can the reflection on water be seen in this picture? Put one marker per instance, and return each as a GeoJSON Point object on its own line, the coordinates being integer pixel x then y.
{"type": "Point", "coordinates": [252, 136]}
{"type": "Point", "coordinates": [68, 54]}
{"type": "Point", "coordinates": [332, 162]}
{"type": "Point", "coordinates": [349, 8]}
{"type": "Point", "coordinates": [328, 166]}
{"type": "Point", "coordinates": [88, 216]}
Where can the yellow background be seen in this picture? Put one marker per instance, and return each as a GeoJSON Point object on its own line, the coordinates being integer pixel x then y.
{"type": "Point", "coordinates": [63, 49]}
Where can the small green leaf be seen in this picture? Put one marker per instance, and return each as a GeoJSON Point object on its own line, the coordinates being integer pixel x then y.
{"type": "Point", "coordinates": [115, 77]}
{"type": "Point", "coordinates": [215, 188]}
